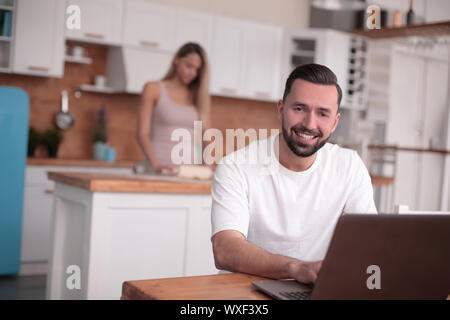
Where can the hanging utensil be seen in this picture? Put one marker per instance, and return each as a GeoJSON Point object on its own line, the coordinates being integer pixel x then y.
{"type": "Point", "coordinates": [64, 119]}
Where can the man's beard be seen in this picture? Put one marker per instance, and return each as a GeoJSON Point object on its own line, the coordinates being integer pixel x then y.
{"type": "Point", "coordinates": [301, 149]}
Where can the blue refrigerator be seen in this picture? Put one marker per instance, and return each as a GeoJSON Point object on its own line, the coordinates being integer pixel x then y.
{"type": "Point", "coordinates": [14, 114]}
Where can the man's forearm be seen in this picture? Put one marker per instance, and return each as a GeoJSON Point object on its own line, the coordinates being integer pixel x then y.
{"type": "Point", "coordinates": [238, 255]}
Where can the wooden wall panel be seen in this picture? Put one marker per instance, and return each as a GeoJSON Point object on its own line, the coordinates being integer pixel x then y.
{"type": "Point", "coordinates": [45, 102]}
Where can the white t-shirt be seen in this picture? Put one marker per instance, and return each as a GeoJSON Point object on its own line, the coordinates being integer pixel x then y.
{"type": "Point", "coordinates": [287, 212]}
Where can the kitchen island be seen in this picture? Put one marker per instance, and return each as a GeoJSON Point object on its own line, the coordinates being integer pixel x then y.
{"type": "Point", "coordinates": [109, 228]}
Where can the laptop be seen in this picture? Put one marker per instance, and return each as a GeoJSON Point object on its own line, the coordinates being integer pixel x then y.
{"type": "Point", "coordinates": [379, 256]}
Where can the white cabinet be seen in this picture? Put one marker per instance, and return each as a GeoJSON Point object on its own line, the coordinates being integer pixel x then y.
{"type": "Point", "coordinates": [101, 21]}
{"type": "Point", "coordinates": [226, 56]}
{"type": "Point", "coordinates": [39, 38]}
{"type": "Point", "coordinates": [262, 61]}
{"type": "Point", "coordinates": [246, 59]}
{"type": "Point", "coordinates": [121, 236]}
{"type": "Point", "coordinates": [149, 25]}
{"type": "Point", "coordinates": [193, 26]}
{"type": "Point", "coordinates": [36, 222]}
{"type": "Point", "coordinates": [152, 34]}
{"type": "Point", "coordinates": [165, 28]}
{"type": "Point", "coordinates": [37, 211]}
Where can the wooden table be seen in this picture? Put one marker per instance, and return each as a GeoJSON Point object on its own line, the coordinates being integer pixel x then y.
{"type": "Point", "coordinates": [229, 286]}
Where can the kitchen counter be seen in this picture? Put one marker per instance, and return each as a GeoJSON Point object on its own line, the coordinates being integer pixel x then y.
{"type": "Point", "coordinates": [80, 162]}
{"type": "Point", "coordinates": [139, 183]}
{"type": "Point", "coordinates": [117, 227]}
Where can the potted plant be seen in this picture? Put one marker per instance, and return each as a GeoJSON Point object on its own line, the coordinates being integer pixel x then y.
{"type": "Point", "coordinates": [52, 139]}
{"type": "Point", "coordinates": [100, 137]}
{"type": "Point", "coordinates": [34, 138]}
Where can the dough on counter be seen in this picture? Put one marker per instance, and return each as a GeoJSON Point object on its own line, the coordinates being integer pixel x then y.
{"type": "Point", "coordinates": [195, 172]}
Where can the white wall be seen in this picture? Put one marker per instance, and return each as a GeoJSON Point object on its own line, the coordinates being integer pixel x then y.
{"type": "Point", "coordinates": [285, 13]}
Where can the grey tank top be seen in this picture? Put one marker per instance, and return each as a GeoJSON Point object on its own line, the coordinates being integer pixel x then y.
{"type": "Point", "coordinates": [168, 116]}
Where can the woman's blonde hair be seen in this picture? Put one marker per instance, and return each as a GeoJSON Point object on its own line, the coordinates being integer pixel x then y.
{"type": "Point", "coordinates": [199, 87]}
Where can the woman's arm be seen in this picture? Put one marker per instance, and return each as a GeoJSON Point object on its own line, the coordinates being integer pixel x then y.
{"type": "Point", "coordinates": [149, 97]}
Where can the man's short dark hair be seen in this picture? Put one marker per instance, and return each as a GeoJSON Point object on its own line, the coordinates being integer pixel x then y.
{"type": "Point", "coordinates": [314, 73]}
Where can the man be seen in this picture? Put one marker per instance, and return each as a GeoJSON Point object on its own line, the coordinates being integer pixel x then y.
{"type": "Point", "coordinates": [279, 225]}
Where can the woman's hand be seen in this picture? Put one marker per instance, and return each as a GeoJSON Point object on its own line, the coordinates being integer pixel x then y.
{"type": "Point", "coordinates": [165, 170]}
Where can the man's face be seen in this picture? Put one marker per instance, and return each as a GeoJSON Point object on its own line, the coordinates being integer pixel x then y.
{"type": "Point", "coordinates": [309, 116]}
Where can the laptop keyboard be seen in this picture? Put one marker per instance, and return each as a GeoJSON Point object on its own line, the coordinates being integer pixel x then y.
{"type": "Point", "coordinates": [296, 295]}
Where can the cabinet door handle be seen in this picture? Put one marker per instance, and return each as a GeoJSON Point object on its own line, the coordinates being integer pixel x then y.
{"type": "Point", "coordinates": [38, 68]}
{"type": "Point", "coordinates": [49, 191]}
{"type": "Point", "coordinates": [262, 94]}
{"type": "Point", "coordinates": [149, 43]}
{"type": "Point", "coordinates": [94, 35]}
{"type": "Point", "coordinates": [228, 90]}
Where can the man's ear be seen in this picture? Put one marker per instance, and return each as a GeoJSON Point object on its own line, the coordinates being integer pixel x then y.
{"type": "Point", "coordinates": [280, 107]}
{"type": "Point", "coordinates": [336, 121]}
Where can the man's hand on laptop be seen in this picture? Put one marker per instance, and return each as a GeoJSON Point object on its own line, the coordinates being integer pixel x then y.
{"type": "Point", "coordinates": [305, 272]}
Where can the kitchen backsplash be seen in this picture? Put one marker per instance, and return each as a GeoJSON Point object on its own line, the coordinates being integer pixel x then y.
{"type": "Point", "coordinates": [45, 103]}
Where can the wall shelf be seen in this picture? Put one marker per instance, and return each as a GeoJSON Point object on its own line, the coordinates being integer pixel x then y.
{"type": "Point", "coordinates": [93, 88]}
{"type": "Point", "coordinates": [420, 30]}
{"type": "Point", "coordinates": [83, 60]}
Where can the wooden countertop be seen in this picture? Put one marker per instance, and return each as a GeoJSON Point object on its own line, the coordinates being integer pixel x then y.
{"type": "Point", "coordinates": [399, 148]}
{"type": "Point", "coordinates": [382, 180]}
{"type": "Point", "coordinates": [80, 162]}
{"type": "Point", "coordinates": [229, 286]}
{"type": "Point", "coordinates": [105, 182]}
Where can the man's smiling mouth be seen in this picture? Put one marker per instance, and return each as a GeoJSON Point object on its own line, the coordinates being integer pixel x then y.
{"type": "Point", "coordinates": [305, 136]}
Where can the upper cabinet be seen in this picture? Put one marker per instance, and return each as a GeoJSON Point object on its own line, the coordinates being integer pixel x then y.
{"type": "Point", "coordinates": [149, 25]}
{"type": "Point", "coordinates": [262, 61]}
{"type": "Point", "coordinates": [39, 38]}
{"type": "Point", "coordinates": [246, 59]}
{"type": "Point", "coordinates": [101, 21]}
{"type": "Point", "coordinates": [226, 56]}
{"type": "Point", "coordinates": [193, 26]}
{"type": "Point", "coordinates": [153, 26]}
{"type": "Point", "coordinates": [143, 36]}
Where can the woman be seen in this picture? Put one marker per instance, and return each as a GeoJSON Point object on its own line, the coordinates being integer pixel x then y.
{"type": "Point", "coordinates": [176, 101]}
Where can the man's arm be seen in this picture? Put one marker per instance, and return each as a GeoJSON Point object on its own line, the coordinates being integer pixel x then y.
{"type": "Point", "coordinates": [360, 199]}
{"type": "Point", "coordinates": [234, 253]}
